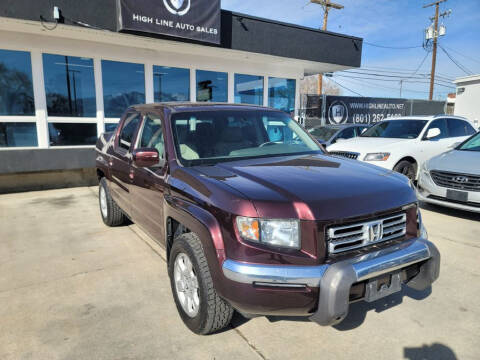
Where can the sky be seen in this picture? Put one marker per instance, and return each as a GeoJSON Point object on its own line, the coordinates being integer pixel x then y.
{"type": "Point", "coordinates": [393, 23]}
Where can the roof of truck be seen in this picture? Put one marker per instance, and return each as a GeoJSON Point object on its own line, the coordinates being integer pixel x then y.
{"type": "Point", "coordinates": [196, 106]}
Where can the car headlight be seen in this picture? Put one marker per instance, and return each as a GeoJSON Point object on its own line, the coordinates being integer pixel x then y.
{"type": "Point", "coordinates": [282, 233]}
{"type": "Point", "coordinates": [377, 157]}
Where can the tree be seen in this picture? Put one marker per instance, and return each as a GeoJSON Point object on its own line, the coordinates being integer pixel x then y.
{"type": "Point", "coordinates": [309, 85]}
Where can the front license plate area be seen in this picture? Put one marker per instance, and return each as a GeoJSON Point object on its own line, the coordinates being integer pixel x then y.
{"type": "Point", "coordinates": [455, 195]}
{"type": "Point", "coordinates": [383, 286]}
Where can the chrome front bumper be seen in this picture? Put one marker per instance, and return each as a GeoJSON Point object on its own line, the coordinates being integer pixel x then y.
{"type": "Point", "coordinates": [335, 280]}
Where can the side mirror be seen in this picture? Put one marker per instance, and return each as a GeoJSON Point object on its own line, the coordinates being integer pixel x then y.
{"type": "Point", "coordinates": [146, 157]}
{"type": "Point", "coordinates": [432, 133]}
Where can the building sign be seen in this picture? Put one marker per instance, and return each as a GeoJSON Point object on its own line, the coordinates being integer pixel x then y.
{"type": "Point", "coordinates": [191, 19]}
{"type": "Point", "coordinates": [362, 110]}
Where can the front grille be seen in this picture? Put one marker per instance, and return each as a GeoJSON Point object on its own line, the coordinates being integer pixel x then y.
{"type": "Point", "coordinates": [441, 198]}
{"type": "Point", "coordinates": [354, 236]}
{"type": "Point", "coordinates": [346, 154]}
{"type": "Point", "coordinates": [456, 181]}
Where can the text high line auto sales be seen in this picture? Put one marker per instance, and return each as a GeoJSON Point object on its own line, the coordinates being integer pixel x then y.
{"type": "Point", "coordinates": [173, 24]}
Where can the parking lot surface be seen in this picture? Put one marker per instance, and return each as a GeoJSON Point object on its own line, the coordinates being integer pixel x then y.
{"type": "Point", "coordinates": [71, 288]}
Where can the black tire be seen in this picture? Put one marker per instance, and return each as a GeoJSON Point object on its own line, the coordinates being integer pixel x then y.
{"type": "Point", "coordinates": [214, 313]}
{"type": "Point", "coordinates": [114, 215]}
{"type": "Point", "coordinates": [407, 168]}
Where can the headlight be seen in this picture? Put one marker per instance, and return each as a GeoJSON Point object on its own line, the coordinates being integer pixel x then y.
{"type": "Point", "coordinates": [283, 233]}
{"type": "Point", "coordinates": [377, 157]}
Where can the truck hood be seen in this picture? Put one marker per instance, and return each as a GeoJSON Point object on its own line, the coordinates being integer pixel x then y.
{"type": "Point", "coordinates": [456, 161]}
{"type": "Point", "coordinates": [367, 144]}
{"type": "Point", "coordinates": [313, 187]}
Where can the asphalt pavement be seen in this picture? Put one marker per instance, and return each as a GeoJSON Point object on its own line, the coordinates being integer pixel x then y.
{"type": "Point", "coordinates": [72, 288]}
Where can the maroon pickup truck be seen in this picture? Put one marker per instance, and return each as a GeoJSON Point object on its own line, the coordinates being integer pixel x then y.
{"type": "Point", "coordinates": [256, 217]}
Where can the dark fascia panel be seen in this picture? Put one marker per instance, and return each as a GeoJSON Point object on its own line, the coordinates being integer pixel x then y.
{"type": "Point", "coordinates": [239, 32]}
{"type": "Point", "coordinates": [37, 160]}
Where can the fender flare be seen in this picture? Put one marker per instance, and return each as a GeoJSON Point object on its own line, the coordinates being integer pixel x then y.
{"type": "Point", "coordinates": [206, 226]}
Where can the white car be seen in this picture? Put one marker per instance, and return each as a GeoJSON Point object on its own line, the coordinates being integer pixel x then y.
{"type": "Point", "coordinates": [403, 144]}
{"type": "Point", "coordinates": [453, 179]}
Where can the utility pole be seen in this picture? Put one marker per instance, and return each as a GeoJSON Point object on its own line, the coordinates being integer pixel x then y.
{"type": "Point", "coordinates": [401, 87]}
{"type": "Point", "coordinates": [326, 5]}
{"type": "Point", "coordinates": [435, 41]}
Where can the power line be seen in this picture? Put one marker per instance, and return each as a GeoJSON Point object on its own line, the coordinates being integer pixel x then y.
{"type": "Point", "coordinates": [375, 86]}
{"type": "Point", "coordinates": [417, 81]}
{"type": "Point", "coordinates": [344, 87]}
{"type": "Point", "coordinates": [392, 47]}
{"type": "Point", "coordinates": [465, 56]}
{"type": "Point", "coordinates": [460, 66]}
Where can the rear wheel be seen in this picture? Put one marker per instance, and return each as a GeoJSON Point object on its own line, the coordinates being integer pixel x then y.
{"type": "Point", "coordinates": [407, 168]}
{"type": "Point", "coordinates": [111, 213]}
{"type": "Point", "coordinates": [198, 303]}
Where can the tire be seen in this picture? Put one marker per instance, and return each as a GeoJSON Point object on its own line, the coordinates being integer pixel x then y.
{"type": "Point", "coordinates": [212, 312]}
{"type": "Point", "coordinates": [111, 213]}
{"type": "Point", "coordinates": [407, 168]}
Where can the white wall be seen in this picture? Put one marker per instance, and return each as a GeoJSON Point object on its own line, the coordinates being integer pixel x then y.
{"type": "Point", "coordinates": [467, 104]}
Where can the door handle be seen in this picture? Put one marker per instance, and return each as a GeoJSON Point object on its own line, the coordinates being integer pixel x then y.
{"type": "Point", "coordinates": [131, 175]}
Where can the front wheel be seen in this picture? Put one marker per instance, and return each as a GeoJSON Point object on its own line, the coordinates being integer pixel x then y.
{"type": "Point", "coordinates": [202, 310]}
{"type": "Point", "coordinates": [407, 168]}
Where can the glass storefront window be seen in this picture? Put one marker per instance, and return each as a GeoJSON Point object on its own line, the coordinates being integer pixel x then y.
{"type": "Point", "coordinates": [212, 86]}
{"type": "Point", "coordinates": [18, 135]}
{"type": "Point", "coordinates": [123, 86]}
{"type": "Point", "coordinates": [110, 127]}
{"type": "Point", "coordinates": [281, 94]}
{"type": "Point", "coordinates": [16, 87]}
{"type": "Point", "coordinates": [171, 84]}
{"type": "Point", "coordinates": [248, 89]}
{"type": "Point", "coordinates": [69, 86]}
{"type": "Point", "coordinates": [64, 134]}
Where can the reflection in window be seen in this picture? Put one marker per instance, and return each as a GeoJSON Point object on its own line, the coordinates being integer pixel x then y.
{"type": "Point", "coordinates": [69, 86]}
{"type": "Point", "coordinates": [62, 134]}
{"type": "Point", "coordinates": [248, 89]}
{"type": "Point", "coordinates": [18, 135]}
{"type": "Point", "coordinates": [171, 84]}
{"type": "Point", "coordinates": [212, 86]}
{"type": "Point", "coordinates": [281, 94]}
{"type": "Point", "coordinates": [123, 86]}
{"type": "Point", "coordinates": [16, 89]}
{"type": "Point", "coordinates": [110, 127]}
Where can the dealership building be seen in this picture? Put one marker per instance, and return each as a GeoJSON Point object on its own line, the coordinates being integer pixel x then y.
{"type": "Point", "coordinates": [68, 69]}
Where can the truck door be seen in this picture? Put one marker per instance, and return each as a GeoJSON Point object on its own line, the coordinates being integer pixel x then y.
{"type": "Point", "coordinates": [148, 187]}
{"type": "Point", "coordinates": [121, 162]}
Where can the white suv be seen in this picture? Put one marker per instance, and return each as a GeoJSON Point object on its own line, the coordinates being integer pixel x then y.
{"type": "Point", "coordinates": [403, 144]}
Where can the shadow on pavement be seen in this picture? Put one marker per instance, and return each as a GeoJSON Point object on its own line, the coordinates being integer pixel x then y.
{"type": "Point", "coordinates": [429, 352]}
{"type": "Point", "coordinates": [467, 215]}
{"type": "Point", "coordinates": [358, 311]}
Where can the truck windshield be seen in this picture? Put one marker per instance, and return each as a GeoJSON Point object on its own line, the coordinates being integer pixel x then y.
{"type": "Point", "coordinates": [400, 129]}
{"type": "Point", "coordinates": [323, 133]}
{"type": "Point", "coordinates": [208, 137]}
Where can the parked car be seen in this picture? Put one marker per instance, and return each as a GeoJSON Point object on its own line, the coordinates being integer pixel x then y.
{"type": "Point", "coordinates": [453, 179]}
{"type": "Point", "coordinates": [329, 134]}
{"type": "Point", "coordinates": [403, 144]}
{"type": "Point", "coordinates": [256, 217]}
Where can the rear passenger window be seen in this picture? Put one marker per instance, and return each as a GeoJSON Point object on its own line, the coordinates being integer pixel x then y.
{"type": "Point", "coordinates": [128, 131]}
{"type": "Point", "coordinates": [460, 128]}
{"type": "Point", "coordinates": [439, 124]}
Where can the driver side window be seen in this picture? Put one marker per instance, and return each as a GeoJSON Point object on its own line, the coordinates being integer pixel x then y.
{"type": "Point", "coordinates": [152, 135]}
{"type": "Point", "coordinates": [440, 124]}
